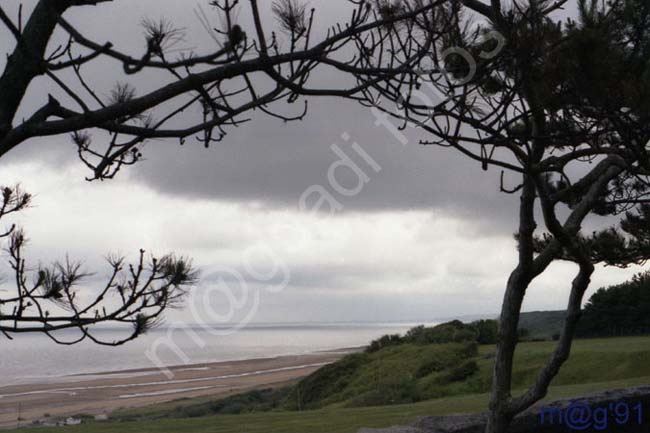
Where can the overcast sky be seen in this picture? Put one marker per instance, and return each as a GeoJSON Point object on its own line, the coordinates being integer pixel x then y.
{"type": "Point", "coordinates": [428, 235]}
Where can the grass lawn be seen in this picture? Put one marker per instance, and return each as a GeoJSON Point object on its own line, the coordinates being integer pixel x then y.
{"type": "Point", "coordinates": [595, 365]}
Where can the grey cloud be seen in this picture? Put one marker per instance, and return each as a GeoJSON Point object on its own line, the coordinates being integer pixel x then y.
{"type": "Point", "coordinates": [273, 163]}
{"type": "Point", "coordinates": [323, 276]}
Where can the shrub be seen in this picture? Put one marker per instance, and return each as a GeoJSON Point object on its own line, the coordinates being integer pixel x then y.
{"type": "Point", "coordinates": [384, 341]}
{"type": "Point", "coordinates": [259, 400]}
{"type": "Point", "coordinates": [618, 310]}
{"type": "Point", "coordinates": [429, 367]}
{"type": "Point", "coordinates": [325, 382]}
{"type": "Point", "coordinates": [454, 331]}
{"type": "Point", "coordinates": [446, 360]}
{"type": "Point", "coordinates": [487, 331]}
{"type": "Point", "coordinates": [460, 373]}
{"type": "Point", "coordinates": [480, 331]}
{"type": "Point", "coordinates": [470, 350]}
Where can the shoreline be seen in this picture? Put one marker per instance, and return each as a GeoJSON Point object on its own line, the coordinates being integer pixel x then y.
{"type": "Point", "coordinates": [202, 365]}
{"type": "Point", "coordinates": [103, 392]}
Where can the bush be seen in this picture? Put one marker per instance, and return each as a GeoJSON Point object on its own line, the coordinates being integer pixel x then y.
{"type": "Point", "coordinates": [465, 334]}
{"type": "Point", "coordinates": [259, 400]}
{"type": "Point", "coordinates": [480, 331]}
{"type": "Point", "coordinates": [325, 382]}
{"type": "Point", "coordinates": [454, 331]}
{"type": "Point", "coordinates": [193, 411]}
{"type": "Point", "coordinates": [429, 367]}
{"type": "Point", "coordinates": [619, 310]}
{"type": "Point", "coordinates": [470, 350]}
{"type": "Point", "coordinates": [460, 373]}
{"type": "Point", "coordinates": [487, 331]}
{"type": "Point", "coordinates": [385, 341]}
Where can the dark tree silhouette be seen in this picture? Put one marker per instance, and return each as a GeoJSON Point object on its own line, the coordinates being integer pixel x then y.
{"type": "Point", "coordinates": [623, 309]}
{"type": "Point", "coordinates": [562, 107]}
{"type": "Point", "coordinates": [252, 69]}
{"type": "Point", "coordinates": [225, 84]}
{"type": "Point", "coordinates": [45, 298]}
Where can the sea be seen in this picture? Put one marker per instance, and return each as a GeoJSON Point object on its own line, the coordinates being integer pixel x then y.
{"type": "Point", "coordinates": [33, 358]}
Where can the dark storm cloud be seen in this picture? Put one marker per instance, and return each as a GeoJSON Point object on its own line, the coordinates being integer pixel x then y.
{"type": "Point", "coordinates": [272, 162]}
{"type": "Point", "coordinates": [276, 164]}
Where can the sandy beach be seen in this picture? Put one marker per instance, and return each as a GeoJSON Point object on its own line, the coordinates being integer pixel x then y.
{"type": "Point", "coordinates": [102, 393]}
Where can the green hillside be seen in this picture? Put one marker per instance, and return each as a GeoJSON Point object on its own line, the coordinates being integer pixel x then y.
{"type": "Point", "coordinates": [542, 324]}
{"type": "Point", "coordinates": [399, 374]}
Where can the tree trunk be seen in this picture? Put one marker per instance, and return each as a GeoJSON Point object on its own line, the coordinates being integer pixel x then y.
{"type": "Point", "coordinates": [500, 412]}
{"type": "Point", "coordinates": [500, 416]}
{"type": "Point", "coordinates": [497, 422]}
{"type": "Point", "coordinates": [503, 407]}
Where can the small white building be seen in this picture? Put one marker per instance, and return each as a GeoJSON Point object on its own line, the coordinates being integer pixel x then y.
{"type": "Point", "coordinates": [72, 421]}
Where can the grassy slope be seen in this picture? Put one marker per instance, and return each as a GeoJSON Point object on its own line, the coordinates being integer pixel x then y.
{"type": "Point", "coordinates": [542, 324]}
{"type": "Point", "coordinates": [594, 365]}
{"type": "Point", "coordinates": [394, 374]}
{"type": "Point", "coordinates": [592, 360]}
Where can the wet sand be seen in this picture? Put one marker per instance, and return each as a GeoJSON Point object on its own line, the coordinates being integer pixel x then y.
{"type": "Point", "coordinates": [101, 393]}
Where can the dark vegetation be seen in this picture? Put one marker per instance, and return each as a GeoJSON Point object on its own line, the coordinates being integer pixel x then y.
{"type": "Point", "coordinates": [619, 310]}
{"type": "Point", "coordinates": [480, 331]}
{"type": "Point", "coordinates": [403, 373]}
{"type": "Point", "coordinates": [425, 363]}
{"type": "Point", "coordinates": [257, 400]}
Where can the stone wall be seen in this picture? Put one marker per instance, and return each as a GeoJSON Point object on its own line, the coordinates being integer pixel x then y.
{"type": "Point", "coordinates": [590, 413]}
